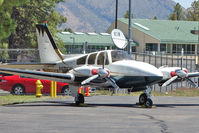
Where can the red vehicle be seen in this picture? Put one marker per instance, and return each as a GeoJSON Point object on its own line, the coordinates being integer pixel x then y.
{"type": "Point", "coordinates": [19, 85]}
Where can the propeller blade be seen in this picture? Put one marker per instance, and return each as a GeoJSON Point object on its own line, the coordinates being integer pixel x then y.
{"type": "Point", "coordinates": [88, 80]}
{"type": "Point", "coordinates": [192, 83]}
{"type": "Point", "coordinates": [112, 81]}
{"type": "Point", "coordinates": [169, 81]}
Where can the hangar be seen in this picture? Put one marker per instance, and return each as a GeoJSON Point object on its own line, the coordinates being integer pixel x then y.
{"type": "Point", "coordinates": [161, 36]}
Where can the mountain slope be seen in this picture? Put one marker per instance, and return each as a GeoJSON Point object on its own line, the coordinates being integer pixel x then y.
{"type": "Point", "coordinates": [97, 15]}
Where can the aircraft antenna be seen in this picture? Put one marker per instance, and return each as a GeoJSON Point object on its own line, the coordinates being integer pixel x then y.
{"type": "Point", "coordinates": [118, 39]}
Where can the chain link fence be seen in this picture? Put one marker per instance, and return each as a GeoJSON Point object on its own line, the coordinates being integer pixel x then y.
{"type": "Point", "coordinates": [19, 55]}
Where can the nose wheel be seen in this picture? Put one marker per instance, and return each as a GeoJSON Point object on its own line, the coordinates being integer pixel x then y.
{"type": "Point", "coordinates": [145, 99]}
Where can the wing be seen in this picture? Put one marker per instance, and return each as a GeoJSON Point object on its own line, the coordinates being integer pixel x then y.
{"type": "Point", "coordinates": [60, 77]}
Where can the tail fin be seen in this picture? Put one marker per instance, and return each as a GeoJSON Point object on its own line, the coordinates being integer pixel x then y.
{"type": "Point", "coordinates": [48, 50]}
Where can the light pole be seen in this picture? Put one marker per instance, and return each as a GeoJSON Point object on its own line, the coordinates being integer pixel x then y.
{"type": "Point", "coordinates": [129, 38]}
{"type": "Point", "coordinates": [73, 42]}
{"type": "Point", "coordinates": [116, 12]}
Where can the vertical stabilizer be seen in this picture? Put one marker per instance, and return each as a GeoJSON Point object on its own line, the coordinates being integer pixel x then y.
{"type": "Point", "coordinates": [48, 50]}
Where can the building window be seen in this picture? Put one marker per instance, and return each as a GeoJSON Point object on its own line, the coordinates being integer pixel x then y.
{"type": "Point", "coordinates": [163, 47]}
{"type": "Point", "coordinates": [151, 47]}
{"type": "Point", "coordinates": [188, 48]}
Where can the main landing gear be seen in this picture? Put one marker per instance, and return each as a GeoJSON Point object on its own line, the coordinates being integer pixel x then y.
{"type": "Point", "coordinates": [145, 99]}
{"type": "Point", "coordinates": [79, 99]}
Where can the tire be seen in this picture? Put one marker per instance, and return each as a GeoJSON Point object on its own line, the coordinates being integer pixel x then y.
{"type": "Point", "coordinates": [66, 91]}
{"type": "Point", "coordinates": [149, 103]}
{"type": "Point", "coordinates": [18, 90]}
{"type": "Point", "coordinates": [80, 99]}
{"type": "Point", "coordinates": [142, 99]}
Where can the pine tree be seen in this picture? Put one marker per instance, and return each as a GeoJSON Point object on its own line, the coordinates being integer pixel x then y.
{"type": "Point", "coordinates": [193, 12]}
{"type": "Point", "coordinates": [28, 15]}
{"type": "Point", "coordinates": [126, 15]}
{"type": "Point", "coordinates": [7, 25]}
{"type": "Point", "coordinates": [177, 13]}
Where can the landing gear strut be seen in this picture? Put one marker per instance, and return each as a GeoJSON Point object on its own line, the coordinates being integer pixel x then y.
{"type": "Point", "coordinates": [145, 99]}
{"type": "Point", "coordinates": [79, 99]}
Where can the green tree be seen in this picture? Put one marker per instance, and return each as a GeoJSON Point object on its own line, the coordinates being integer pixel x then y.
{"type": "Point", "coordinates": [28, 15]}
{"type": "Point", "coordinates": [155, 18]}
{"type": "Point", "coordinates": [3, 54]}
{"type": "Point", "coordinates": [193, 12]}
{"type": "Point", "coordinates": [126, 15]}
{"type": "Point", "coordinates": [7, 25]}
{"type": "Point", "coordinates": [177, 13]}
{"type": "Point", "coordinates": [68, 30]}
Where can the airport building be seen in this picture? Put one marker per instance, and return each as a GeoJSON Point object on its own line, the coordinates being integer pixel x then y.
{"type": "Point", "coordinates": [161, 36]}
{"type": "Point", "coordinates": [150, 36]}
{"type": "Point", "coordinates": [77, 42]}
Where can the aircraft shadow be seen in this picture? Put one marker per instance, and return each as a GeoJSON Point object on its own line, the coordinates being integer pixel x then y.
{"type": "Point", "coordinates": [69, 104]}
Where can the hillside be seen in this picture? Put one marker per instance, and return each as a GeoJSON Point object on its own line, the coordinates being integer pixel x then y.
{"type": "Point", "coordinates": [97, 15]}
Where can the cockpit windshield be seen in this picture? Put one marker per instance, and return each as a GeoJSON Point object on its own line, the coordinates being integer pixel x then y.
{"type": "Point", "coordinates": [120, 55]}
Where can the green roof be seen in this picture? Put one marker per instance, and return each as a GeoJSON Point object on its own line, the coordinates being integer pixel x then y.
{"type": "Point", "coordinates": [78, 38]}
{"type": "Point", "coordinates": [167, 31]}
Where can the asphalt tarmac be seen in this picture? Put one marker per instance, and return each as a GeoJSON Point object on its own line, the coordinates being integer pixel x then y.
{"type": "Point", "coordinates": [102, 114]}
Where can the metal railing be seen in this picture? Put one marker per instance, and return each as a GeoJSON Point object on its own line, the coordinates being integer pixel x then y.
{"type": "Point", "coordinates": [158, 60]}
{"type": "Point", "coordinates": [174, 60]}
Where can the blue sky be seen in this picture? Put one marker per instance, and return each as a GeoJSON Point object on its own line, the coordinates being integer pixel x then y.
{"type": "Point", "coordinates": [184, 3]}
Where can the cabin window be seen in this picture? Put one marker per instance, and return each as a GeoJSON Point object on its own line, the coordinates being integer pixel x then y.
{"type": "Point", "coordinates": [120, 55]}
{"type": "Point", "coordinates": [100, 59]}
{"type": "Point", "coordinates": [81, 60]}
{"type": "Point", "coordinates": [91, 59]}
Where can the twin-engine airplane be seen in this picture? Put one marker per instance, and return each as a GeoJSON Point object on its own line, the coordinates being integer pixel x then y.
{"type": "Point", "coordinates": [104, 69]}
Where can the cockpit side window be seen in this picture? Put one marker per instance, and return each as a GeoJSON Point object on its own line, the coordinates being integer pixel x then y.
{"type": "Point", "coordinates": [91, 59]}
{"type": "Point", "coordinates": [81, 60]}
{"type": "Point", "coordinates": [100, 59]}
{"type": "Point", "coordinates": [120, 55]}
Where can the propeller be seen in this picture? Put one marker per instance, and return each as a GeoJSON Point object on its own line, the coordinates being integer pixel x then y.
{"type": "Point", "coordinates": [169, 81]}
{"type": "Point", "coordinates": [192, 83]}
{"type": "Point", "coordinates": [181, 74]}
{"type": "Point", "coordinates": [102, 73]}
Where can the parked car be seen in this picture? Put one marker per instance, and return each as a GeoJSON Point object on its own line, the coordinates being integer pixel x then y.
{"type": "Point", "coordinates": [19, 85]}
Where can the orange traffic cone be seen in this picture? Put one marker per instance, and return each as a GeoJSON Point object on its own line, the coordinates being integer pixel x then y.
{"type": "Point", "coordinates": [87, 91]}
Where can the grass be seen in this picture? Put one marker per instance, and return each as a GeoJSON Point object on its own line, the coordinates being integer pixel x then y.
{"type": "Point", "coordinates": [186, 92]}
{"type": "Point", "coordinates": [14, 99]}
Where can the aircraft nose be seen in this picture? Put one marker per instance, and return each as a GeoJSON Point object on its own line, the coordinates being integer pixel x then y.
{"type": "Point", "coordinates": [155, 75]}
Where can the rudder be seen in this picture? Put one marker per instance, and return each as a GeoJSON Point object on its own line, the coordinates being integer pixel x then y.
{"type": "Point", "coordinates": [48, 50]}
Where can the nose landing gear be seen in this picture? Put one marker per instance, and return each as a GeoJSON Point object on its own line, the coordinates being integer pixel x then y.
{"type": "Point", "coordinates": [145, 99]}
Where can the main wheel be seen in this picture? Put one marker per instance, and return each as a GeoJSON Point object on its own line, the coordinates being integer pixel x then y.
{"type": "Point", "coordinates": [80, 99]}
{"type": "Point", "coordinates": [142, 99]}
{"type": "Point", "coordinates": [18, 90]}
{"type": "Point", "coordinates": [149, 103]}
{"type": "Point", "coordinates": [66, 91]}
